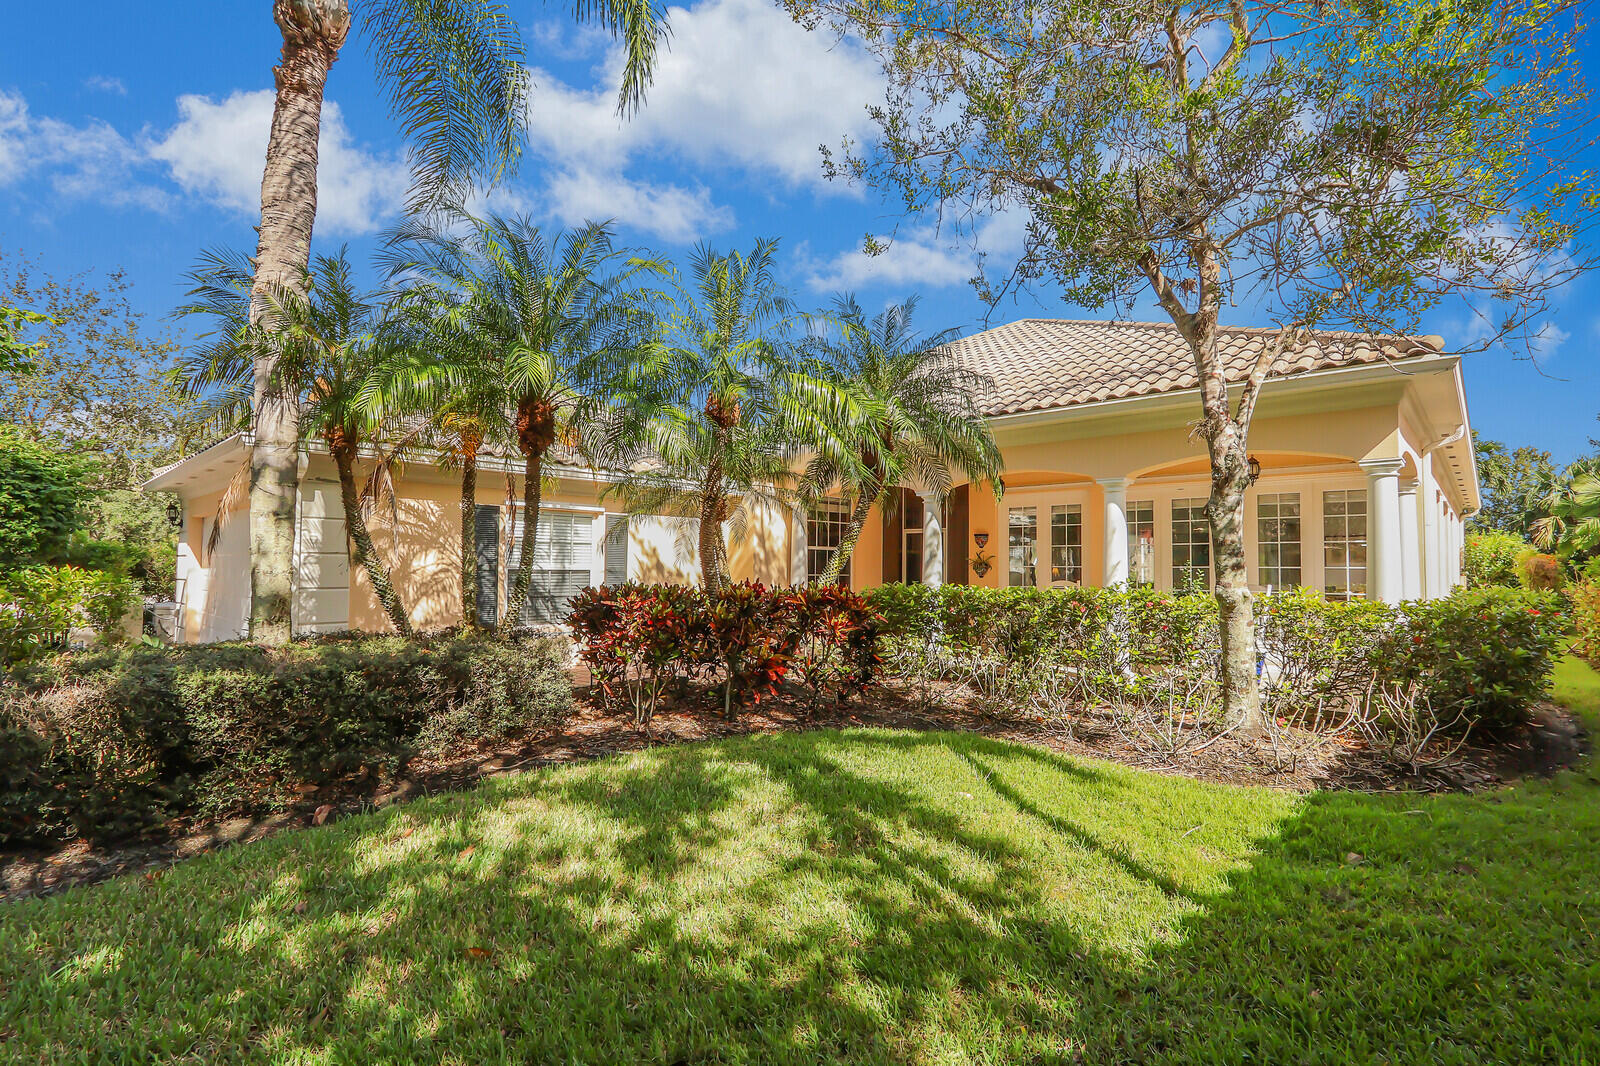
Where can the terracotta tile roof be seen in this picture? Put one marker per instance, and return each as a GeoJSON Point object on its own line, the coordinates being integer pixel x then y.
{"type": "Point", "coordinates": [1043, 363]}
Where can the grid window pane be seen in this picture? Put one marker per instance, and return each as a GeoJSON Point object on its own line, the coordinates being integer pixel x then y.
{"type": "Point", "coordinates": [1191, 545]}
{"type": "Point", "coordinates": [1278, 539]}
{"type": "Point", "coordinates": [825, 529]}
{"type": "Point", "coordinates": [1066, 544]}
{"type": "Point", "coordinates": [1344, 543]}
{"type": "Point", "coordinates": [1023, 546]}
{"type": "Point", "coordinates": [1142, 542]}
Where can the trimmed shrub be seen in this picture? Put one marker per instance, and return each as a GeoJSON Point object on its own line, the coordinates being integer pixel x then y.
{"type": "Point", "coordinates": [1490, 558]}
{"type": "Point", "coordinates": [1487, 653]}
{"type": "Point", "coordinates": [1482, 656]}
{"type": "Point", "coordinates": [1539, 572]}
{"type": "Point", "coordinates": [135, 739]}
{"type": "Point", "coordinates": [640, 640]}
{"type": "Point", "coordinates": [41, 605]}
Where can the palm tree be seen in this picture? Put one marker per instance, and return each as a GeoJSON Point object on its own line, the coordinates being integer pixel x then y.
{"type": "Point", "coordinates": [559, 325]}
{"type": "Point", "coordinates": [455, 389]}
{"type": "Point", "coordinates": [453, 73]}
{"type": "Point", "coordinates": [705, 427]}
{"type": "Point", "coordinates": [882, 408]}
{"type": "Point", "coordinates": [326, 339]}
{"type": "Point", "coordinates": [1570, 522]}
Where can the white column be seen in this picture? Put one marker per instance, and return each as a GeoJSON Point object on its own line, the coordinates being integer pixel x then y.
{"type": "Point", "coordinates": [1116, 527]}
{"type": "Point", "coordinates": [1410, 542]}
{"type": "Point", "coordinates": [932, 540]}
{"type": "Point", "coordinates": [1383, 529]}
{"type": "Point", "coordinates": [1432, 546]}
{"type": "Point", "coordinates": [798, 570]}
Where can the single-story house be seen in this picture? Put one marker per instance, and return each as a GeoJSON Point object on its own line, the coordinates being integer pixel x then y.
{"type": "Point", "coordinates": [1364, 450]}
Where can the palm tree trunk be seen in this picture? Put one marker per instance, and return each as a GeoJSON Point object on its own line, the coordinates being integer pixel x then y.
{"type": "Point", "coordinates": [313, 31]}
{"type": "Point", "coordinates": [713, 503]}
{"type": "Point", "coordinates": [362, 551]}
{"type": "Point", "coordinates": [532, 489]}
{"type": "Point", "coordinates": [469, 531]}
{"type": "Point", "coordinates": [852, 534]}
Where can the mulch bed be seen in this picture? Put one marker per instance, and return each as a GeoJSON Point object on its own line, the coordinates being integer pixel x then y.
{"type": "Point", "coordinates": [1553, 741]}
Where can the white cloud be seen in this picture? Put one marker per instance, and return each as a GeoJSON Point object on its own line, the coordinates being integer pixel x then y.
{"type": "Point", "coordinates": [92, 160]}
{"type": "Point", "coordinates": [106, 84]}
{"type": "Point", "coordinates": [218, 148]}
{"type": "Point", "coordinates": [921, 258]}
{"type": "Point", "coordinates": [740, 85]}
{"type": "Point", "coordinates": [670, 212]}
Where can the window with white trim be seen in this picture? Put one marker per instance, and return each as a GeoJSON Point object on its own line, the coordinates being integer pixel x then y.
{"type": "Point", "coordinates": [563, 554]}
{"type": "Point", "coordinates": [826, 524]}
{"type": "Point", "coordinates": [1344, 543]}
{"type": "Point", "coordinates": [1142, 543]}
{"type": "Point", "coordinates": [1191, 544]}
{"type": "Point", "coordinates": [1066, 544]}
{"type": "Point", "coordinates": [1278, 540]}
{"type": "Point", "coordinates": [1023, 546]}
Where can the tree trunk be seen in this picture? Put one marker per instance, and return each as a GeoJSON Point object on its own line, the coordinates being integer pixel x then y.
{"type": "Point", "coordinates": [313, 31]}
{"type": "Point", "coordinates": [532, 489]}
{"type": "Point", "coordinates": [469, 531]}
{"type": "Point", "coordinates": [1226, 446]}
{"type": "Point", "coordinates": [713, 504]}
{"type": "Point", "coordinates": [362, 551]}
{"type": "Point", "coordinates": [847, 546]}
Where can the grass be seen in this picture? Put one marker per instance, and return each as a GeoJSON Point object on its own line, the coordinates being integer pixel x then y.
{"type": "Point", "coordinates": [864, 896]}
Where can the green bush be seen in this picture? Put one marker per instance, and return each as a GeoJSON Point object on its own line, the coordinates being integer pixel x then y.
{"type": "Point", "coordinates": [42, 495]}
{"type": "Point", "coordinates": [133, 739]}
{"type": "Point", "coordinates": [41, 605]}
{"type": "Point", "coordinates": [1483, 655]}
{"type": "Point", "coordinates": [1490, 558]}
{"type": "Point", "coordinates": [1487, 653]}
{"type": "Point", "coordinates": [1583, 600]}
{"type": "Point", "coordinates": [1539, 572]}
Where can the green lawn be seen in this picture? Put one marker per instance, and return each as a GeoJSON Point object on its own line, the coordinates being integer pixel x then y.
{"type": "Point", "coordinates": [864, 896]}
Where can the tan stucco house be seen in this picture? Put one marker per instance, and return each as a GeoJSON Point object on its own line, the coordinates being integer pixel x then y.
{"type": "Point", "coordinates": [1366, 474]}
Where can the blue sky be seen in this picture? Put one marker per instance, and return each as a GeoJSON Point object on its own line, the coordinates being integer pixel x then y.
{"type": "Point", "coordinates": [141, 144]}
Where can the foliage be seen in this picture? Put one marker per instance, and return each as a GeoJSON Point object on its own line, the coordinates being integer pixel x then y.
{"type": "Point", "coordinates": [1049, 902]}
{"type": "Point", "coordinates": [42, 494]}
{"type": "Point", "coordinates": [1483, 656]}
{"type": "Point", "coordinates": [1539, 572]}
{"type": "Point", "coordinates": [1512, 482]}
{"type": "Point", "coordinates": [16, 354]}
{"type": "Point", "coordinates": [40, 606]}
{"type": "Point", "coordinates": [1571, 523]}
{"type": "Point", "coordinates": [1583, 600]}
{"type": "Point", "coordinates": [1488, 652]}
{"type": "Point", "coordinates": [640, 640]}
{"type": "Point", "coordinates": [1490, 557]}
{"type": "Point", "coordinates": [880, 407]}
{"type": "Point", "coordinates": [706, 420]}
{"type": "Point", "coordinates": [133, 739]}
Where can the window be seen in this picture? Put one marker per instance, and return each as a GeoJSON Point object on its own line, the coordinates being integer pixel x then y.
{"type": "Point", "coordinates": [1142, 542]}
{"type": "Point", "coordinates": [1191, 545]}
{"type": "Point", "coordinates": [1344, 543]}
{"type": "Point", "coordinates": [616, 549]}
{"type": "Point", "coordinates": [561, 558]}
{"type": "Point", "coordinates": [1066, 544]}
{"type": "Point", "coordinates": [825, 529]}
{"type": "Point", "coordinates": [1278, 539]}
{"type": "Point", "coordinates": [911, 538]}
{"type": "Point", "coordinates": [1024, 545]}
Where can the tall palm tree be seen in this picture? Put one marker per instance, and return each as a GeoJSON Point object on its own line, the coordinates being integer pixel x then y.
{"type": "Point", "coordinates": [1570, 521]}
{"type": "Point", "coordinates": [455, 392]}
{"type": "Point", "coordinates": [326, 339]}
{"type": "Point", "coordinates": [883, 408]}
{"type": "Point", "coordinates": [560, 325]}
{"type": "Point", "coordinates": [453, 73]}
{"type": "Point", "coordinates": [706, 426]}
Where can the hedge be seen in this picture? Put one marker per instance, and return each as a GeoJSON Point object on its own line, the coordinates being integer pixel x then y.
{"type": "Point", "coordinates": [119, 743]}
{"type": "Point", "coordinates": [1484, 655]}
{"type": "Point", "coordinates": [747, 639]}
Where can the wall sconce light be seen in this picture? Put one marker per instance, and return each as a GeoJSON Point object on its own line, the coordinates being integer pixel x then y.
{"type": "Point", "coordinates": [174, 514]}
{"type": "Point", "coordinates": [1254, 466]}
{"type": "Point", "coordinates": [980, 539]}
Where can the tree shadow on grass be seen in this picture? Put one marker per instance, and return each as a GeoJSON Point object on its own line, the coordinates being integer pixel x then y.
{"type": "Point", "coordinates": [825, 897]}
